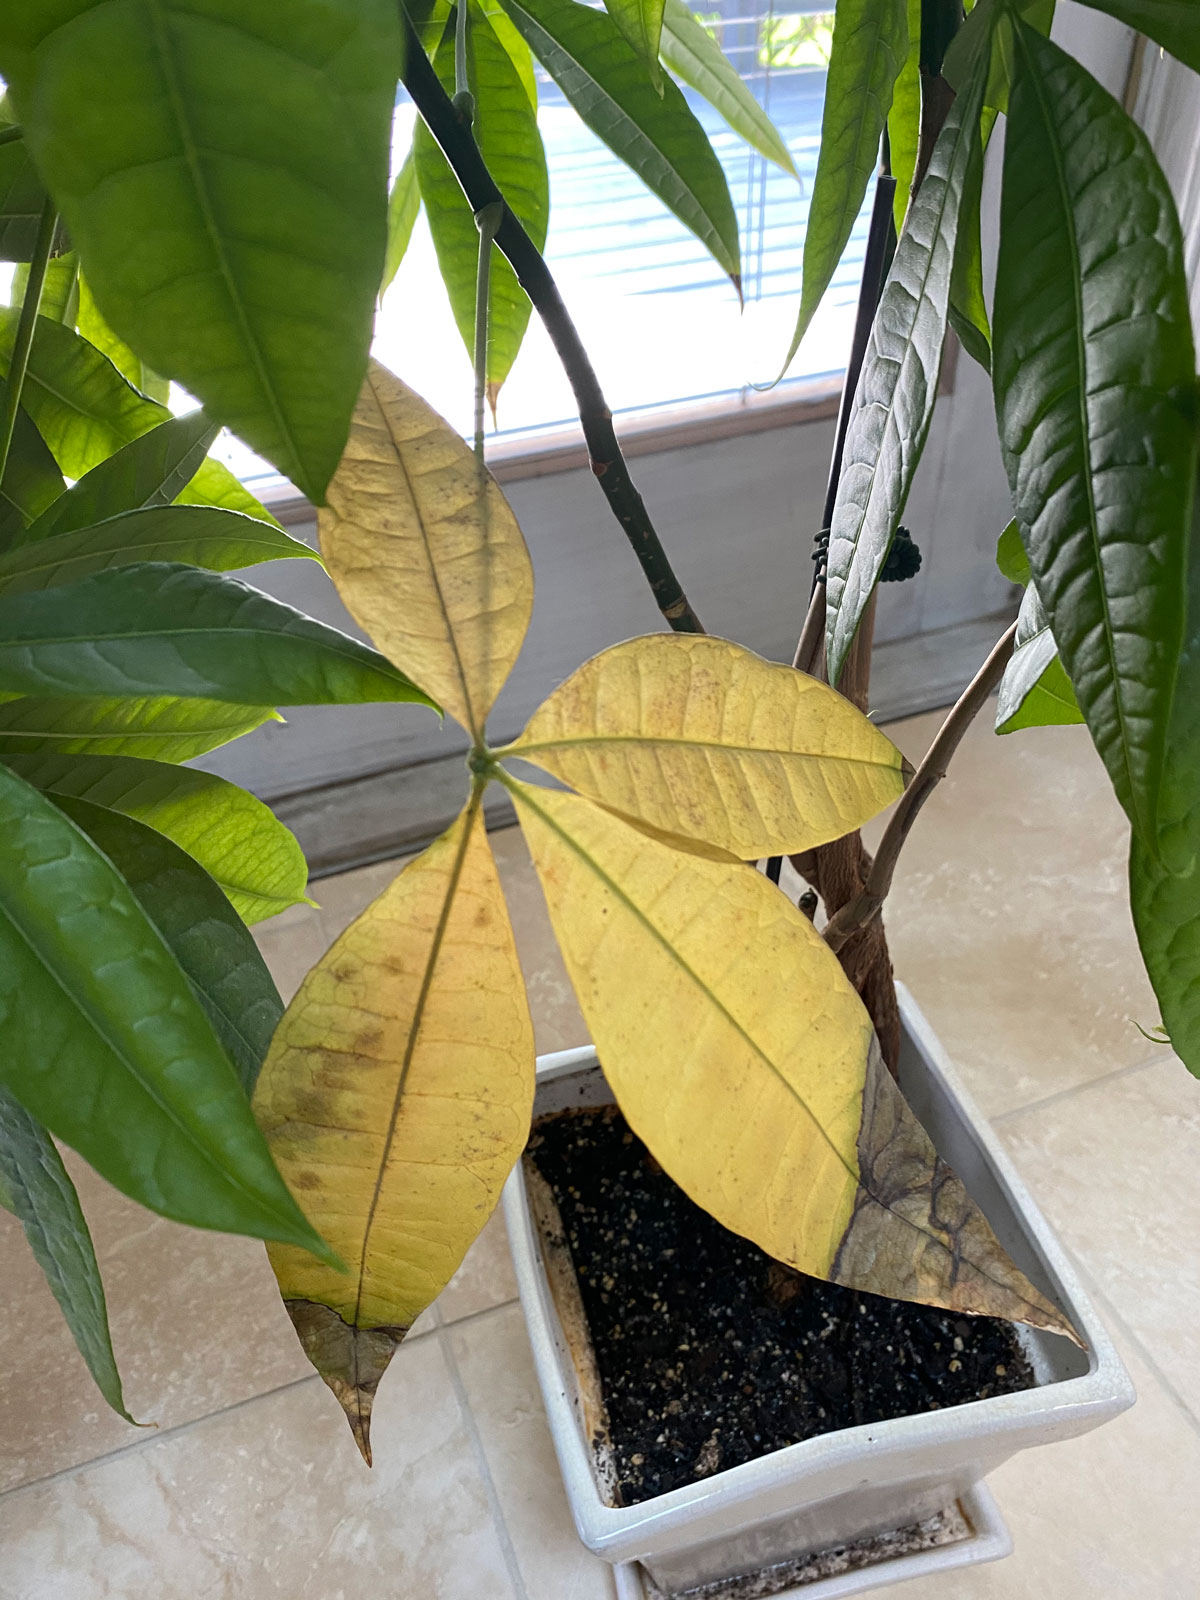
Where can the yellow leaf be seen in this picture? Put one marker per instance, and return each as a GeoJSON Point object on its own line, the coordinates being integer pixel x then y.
{"type": "Point", "coordinates": [741, 1054]}
{"type": "Point", "coordinates": [701, 739]}
{"type": "Point", "coordinates": [395, 1098]}
{"type": "Point", "coordinates": [425, 552]}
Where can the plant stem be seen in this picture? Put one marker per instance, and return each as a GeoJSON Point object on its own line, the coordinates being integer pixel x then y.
{"type": "Point", "coordinates": [608, 464]}
{"type": "Point", "coordinates": [464, 100]}
{"type": "Point", "coordinates": [23, 339]}
{"type": "Point", "coordinates": [859, 911]}
{"type": "Point", "coordinates": [487, 221]}
{"type": "Point", "coordinates": [12, 132]}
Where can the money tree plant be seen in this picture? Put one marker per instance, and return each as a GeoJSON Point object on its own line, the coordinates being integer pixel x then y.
{"type": "Point", "coordinates": [196, 191]}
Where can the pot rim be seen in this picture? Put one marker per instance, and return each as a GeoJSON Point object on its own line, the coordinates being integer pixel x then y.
{"type": "Point", "coordinates": [1068, 1405]}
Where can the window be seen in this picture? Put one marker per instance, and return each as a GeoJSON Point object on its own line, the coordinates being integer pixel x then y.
{"type": "Point", "coordinates": [660, 321]}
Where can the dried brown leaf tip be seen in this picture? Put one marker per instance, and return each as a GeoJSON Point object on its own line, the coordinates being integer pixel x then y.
{"type": "Point", "coordinates": [350, 1360]}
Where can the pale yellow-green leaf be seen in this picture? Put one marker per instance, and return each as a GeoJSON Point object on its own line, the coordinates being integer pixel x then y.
{"type": "Point", "coordinates": [741, 1054]}
{"type": "Point", "coordinates": [700, 738]}
{"type": "Point", "coordinates": [425, 551]}
{"type": "Point", "coordinates": [395, 1098]}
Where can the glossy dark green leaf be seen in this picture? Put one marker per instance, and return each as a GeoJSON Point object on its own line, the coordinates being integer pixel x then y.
{"type": "Point", "coordinates": [131, 367]}
{"type": "Point", "coordinates": [1174, 24]}
{"type": "Point", "coordinates": [1093, 370]}
{"type": "Point", "coordinates": [238, 840]}
{"type": "Point", "coordinates": [85, 411]}
{"type": "Point", "coordinates": [160, 628]}
{"type": "Point", "coordinates": [154, 727]}
{"type": "Point", "coordinates": [209, 940]}
{"type": "Point", "coordinates": [106, 1044]}
{"type": "Point", "coordinates": [1164, 892]}
{"type": "Point", "coordinates": [151, 471]}
{"type": "Point", "coordinates": [657, 136]}
{"type": "Point", "coordinates": [694, 55]}
{"type": "Point", "coordinates": [250, 143]}
{"type": "Point", "coordinates": [904, 119]}
{"type": "Point", "coordinates": [505, 128]}
{"type": "Point", "coordinates": [40, 1193]}
{"type": "Point", "coordinates": [894, 400]}
{"type": "Point", "coordinates": [641, 21]}
{"type": "Point", "coordinates": [870, 45]}
{"type": "Point", "coordinates": [404, 203]}
{"type": "Point", "coordinates": [205, 536]}
{"type": "Point", "coordinates": [1035, 691]}
{"type": "Point", "coordinates": [32, 481]}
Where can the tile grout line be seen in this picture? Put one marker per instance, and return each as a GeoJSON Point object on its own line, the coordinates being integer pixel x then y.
{"type": "Point", "coordinates": [1113, 1314]}
{"type": "Point", "coordinates": [154, 1436]}
{"type": "Point", "coordinates": [1074, 1089]}
{"type": "Point", "coordinates": [478, 1316]}
{"type": "Point", "coordinates": [157, 1436]}
{"type": "Point", "coordinates": [507, 1548]}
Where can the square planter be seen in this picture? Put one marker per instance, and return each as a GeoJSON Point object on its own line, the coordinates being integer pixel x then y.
{"type": "Point", "coordinates": [860, 1482]}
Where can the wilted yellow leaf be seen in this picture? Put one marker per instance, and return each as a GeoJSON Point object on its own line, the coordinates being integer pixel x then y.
{"type": "Point", "coordinates": [741, 1054]}
{"type": "Point", "coordinates": [425, 552]}
{"type": "Point", "coordinates": [395, 1098]}
{"type": "Point", "coordinates": [704, 740]}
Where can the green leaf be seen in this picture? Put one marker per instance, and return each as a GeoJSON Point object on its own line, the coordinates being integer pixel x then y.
{"type": "Point", "coordinates": [205, 536]}
{"type": "Point", "coordinates": [43, 1197]}
{"type": "Point", "coordinates": [404, 203]}
{"type": "Point", "coordinates": [106, 1043]}
{"type": "Point", "coordinates": [1164, 893]}
{"type": "Point", "coordinates": [904, 119]}
{"type": "Point", "coordinates": [151, 471]}
{"type": "Point", "coordinates": [894, 400]}
{"type": "Point", "coordinates": [641, 21]}
{"type": "Point", "coordinates": [60, 290]}
{"type": "Point", "coordinates": [522, 56]}
{"type": "Point", "coordinates": [32, 481]}
{"type": "Point", "coordinates": [694, 55]}
{"type": "Point", "coordinates": [1035, 691]}
{"type": "Point", "coordinates": [156, 727]}
{"type": "Point", "coordinates": [21, 197]}
{"type": "Point", "coordinates": [506, 131]}
{"type": "Point", "coordinates": [209, 940]}
{"type": "Point", "coordinates": [1173, 24]}
{"type": "Point", "coordinates": [1011, 557]}
{"type": "Point", "coordinates": [238, 840]}
{"type": "Point", "coordinates": [968, 305]}
{"type": "Point", "coordinates": [160, 628]}
{"type": "Point", "coordinates": [870, 41]}
{"type": "Point", "coordinates": [131, 367]}
{"type": "Point", "coordinates": [1093, 375]}
{"type": "Point", "coordinates": [250, 144]}
{"type": "Point", "coordinates": [85, 411]}
{"type": "Point", "coordinates": [657, 136]}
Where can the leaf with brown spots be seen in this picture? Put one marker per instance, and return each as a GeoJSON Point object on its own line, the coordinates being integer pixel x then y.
{"type": "Point", "coordinates": [395, 1098]}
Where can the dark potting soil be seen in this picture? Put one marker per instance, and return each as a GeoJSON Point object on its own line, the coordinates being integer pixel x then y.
{"type": "Point", "coordinates": [710, 1353]}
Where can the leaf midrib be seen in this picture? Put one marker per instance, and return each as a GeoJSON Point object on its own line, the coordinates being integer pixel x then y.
{"type": "Point", "coordinates": [469, 816]}
{"type": "Point", "coordinates": [1032, 77]}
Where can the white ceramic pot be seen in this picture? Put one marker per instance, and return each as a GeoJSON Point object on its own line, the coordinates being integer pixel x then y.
{"type": "Point", "coordinates": [863, 1481]}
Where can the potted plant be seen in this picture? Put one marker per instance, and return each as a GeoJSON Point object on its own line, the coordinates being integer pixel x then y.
{"type": "Point", "coordinates": [768, 1065]}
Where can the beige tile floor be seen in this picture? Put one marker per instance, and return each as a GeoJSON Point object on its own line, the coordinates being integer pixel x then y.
{"type": "Point", "coordinates": [1009, 925]}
